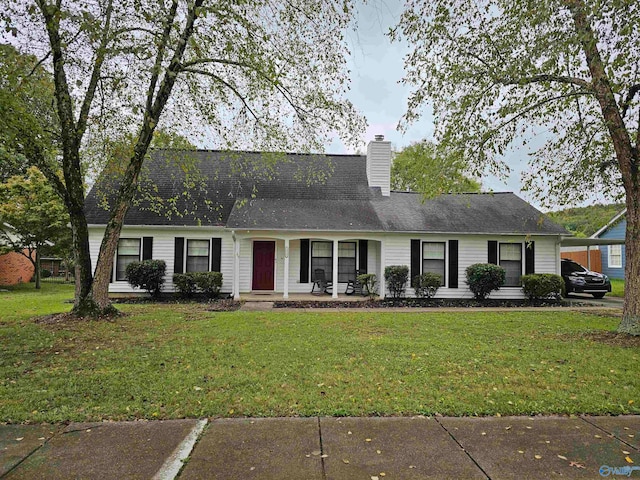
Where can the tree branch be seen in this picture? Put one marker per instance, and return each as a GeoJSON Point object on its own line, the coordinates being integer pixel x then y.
{"type": "Point", "coordinates": [95, 74]}
{"type": "Point", "coordinates": [241, 97]}
{"type": "Point", "coordinates": [543, 77]}
{"type": "Point", "coordinates": [627, 101]}
{"type": "Point", "coordinates": [164, 40]}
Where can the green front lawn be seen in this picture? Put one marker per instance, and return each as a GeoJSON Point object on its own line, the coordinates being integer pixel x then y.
{"type": "Point", "coordinates": [174, 361]}
{"type": "Point", "coordinates": [617, 288]}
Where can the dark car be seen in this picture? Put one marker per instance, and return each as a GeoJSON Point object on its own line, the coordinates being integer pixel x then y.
{"type": "Point", "coordinates": [580, 280]}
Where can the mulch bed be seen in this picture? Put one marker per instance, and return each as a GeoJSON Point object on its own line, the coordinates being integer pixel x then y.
{"type": "Point", "coordinates": [69, 318]}
{"type": "Point", "coordinates": [212, 305]}
{"type": "Point", "coordinates": [428, 303]}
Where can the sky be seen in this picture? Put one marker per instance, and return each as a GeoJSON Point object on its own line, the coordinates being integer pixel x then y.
{"type": "Point", "coordinates": [377, 67]}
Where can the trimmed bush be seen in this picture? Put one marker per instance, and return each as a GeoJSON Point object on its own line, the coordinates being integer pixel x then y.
{"type": "Point", "coordinates": [396, 277]}
{"type": "Point", "coordinates": [44, 273]}
{"type": "Point", "coordinates": [426, 285]}
{"type": "Point", "coordinates": [184, 284]}
{"type": "Point", "coordinates": [484, 278]}
{"type": "Point", "coordinates": [148, 275]}
{"type": "Point", "coordinates": [369, 282]}
{"type": "Point", "coordinates": [208, 283]}
{"type": "Point", "coordinates": [540, 286]}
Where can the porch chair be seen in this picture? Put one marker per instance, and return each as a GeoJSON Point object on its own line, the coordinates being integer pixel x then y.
{"type": "Point", "coordinates": [354, 286]}
{"type": "Point", "coordinates": [323, 285]}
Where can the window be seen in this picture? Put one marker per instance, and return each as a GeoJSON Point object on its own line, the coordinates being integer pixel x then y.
{"type": "Point", "coordinates": [511, 261]}
{"type": "Point", "coordinates": [322, 258]}
{"type": "Point", "coordinates": [197, 255]}
{"type": "Point", "coordinates": [433, 259]}
{"type": "Point", "coordinates": [128, 252]}
{"type": "Point", "coordinates": [346, 261]}
{"type": "Point", "coordinates": [615, 256]}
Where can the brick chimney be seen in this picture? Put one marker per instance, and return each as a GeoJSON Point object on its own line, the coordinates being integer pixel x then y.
{"type": "Point", "coordinates": [379, 164]}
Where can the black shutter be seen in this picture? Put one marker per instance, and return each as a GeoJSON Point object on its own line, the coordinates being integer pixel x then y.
{"type": "Point", "coordinates": [178, 255]}
{"type": "Point", "coordinates": [364, 256]}
{"type": "Point", "coordinates": [216, 254]}
{"type": "Point", "coordinates": [415, 260]}
{"type": "Point", "coordinates": [453, 263]}
{"type": "Point", "coordinates": [492, 256]}
{"type": "Point", "coordinates": [529, 258]}
{"type": "Point", "coordinates": [147, 248]}
{"type": "Point", "coordinates": [304, 261]}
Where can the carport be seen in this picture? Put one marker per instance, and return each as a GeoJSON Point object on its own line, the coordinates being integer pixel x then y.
{"type": "Point", "coordinates": [588, 242]}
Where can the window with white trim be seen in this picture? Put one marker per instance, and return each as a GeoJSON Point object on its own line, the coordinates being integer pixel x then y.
{"type": "Point", "coordinates": [433, 259]}
{"type": "Point", "coordinates": [322, 259]}
{"type": "Point", "coordinates": [346, 261]}
{"type": "Point", "coordinates": [128, 252]}
{"type": "Point", "coordinates": [511, 260]}
{"type": "Point", "coordinates": [615, 256]}
{"type": "Point", "coordinates": [197, 256]}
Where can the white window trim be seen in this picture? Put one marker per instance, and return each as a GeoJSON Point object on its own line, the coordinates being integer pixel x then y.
{"type": "Point", "coordinates": [114, 274]}
{"type": "Point", "coordinates": [522, 260]}
{"type": "Point", "coordinates": [611, 264]}
{"type": "Point", "coordinates": [186, 255]}
{"type": "Point", "coordinates": [445, 280]}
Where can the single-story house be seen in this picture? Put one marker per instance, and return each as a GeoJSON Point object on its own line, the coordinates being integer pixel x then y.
{"type": "Point", "coordinates": [270, 222]}
{"type": "Point", "coordinates": [613, 256]}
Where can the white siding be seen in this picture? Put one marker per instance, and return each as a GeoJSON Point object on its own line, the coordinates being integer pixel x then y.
{"type": "Point", "coordinates": [163, 249]}
{"type": "Point", "coordinates": [471, 249]}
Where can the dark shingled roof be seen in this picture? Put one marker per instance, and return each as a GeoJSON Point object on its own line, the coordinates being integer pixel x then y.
{"type": "Point", "coordinates": [262, 191]}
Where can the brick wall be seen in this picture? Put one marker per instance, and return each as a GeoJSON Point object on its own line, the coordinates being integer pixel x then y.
{"type": "Point", "coordinates": [14, 269]}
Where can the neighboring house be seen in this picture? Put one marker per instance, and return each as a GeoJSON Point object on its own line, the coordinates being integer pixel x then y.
{"type": "Point", "coordinates": [613, 256]}
{"type": "Point", "coordinates": [269, 231]}
{"type": "Point", "coordinates": [15, 268]}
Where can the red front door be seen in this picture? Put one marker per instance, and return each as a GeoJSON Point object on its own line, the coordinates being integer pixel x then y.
{"type": "Point", "coordinates": [264, 254]}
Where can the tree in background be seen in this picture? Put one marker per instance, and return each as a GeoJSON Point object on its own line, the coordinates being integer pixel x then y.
{"type": "Point", "coordinates": [32, 217]}
{"type": "Point", "coordinates": [499, 71]}
{"type": "Point", "coordinates": [422, 168]}
{"type": "Point", "coordinates": [266, 73]}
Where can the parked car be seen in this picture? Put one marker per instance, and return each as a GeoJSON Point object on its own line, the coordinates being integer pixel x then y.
{"type": "Point", "coordinates": [580, 280]}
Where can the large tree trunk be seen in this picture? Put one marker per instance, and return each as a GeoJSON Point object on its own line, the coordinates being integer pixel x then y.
{"type": "Point", "coordinates": [628, 161]}
{"type": "Point", "coordinates": [631, 314]}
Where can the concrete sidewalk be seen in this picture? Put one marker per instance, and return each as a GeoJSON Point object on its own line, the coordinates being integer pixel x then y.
{"type": "Point", "coordinates": [326, 448]}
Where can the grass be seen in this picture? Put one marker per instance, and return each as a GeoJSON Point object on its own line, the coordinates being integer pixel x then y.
{"type": "Point", "coordinates": [175, 361]}
{"type": "Point", "coordinates": [617, 288]}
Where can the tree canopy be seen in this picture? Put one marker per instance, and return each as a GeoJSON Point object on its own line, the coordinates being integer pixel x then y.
{"type": "Point", "coordinates": [32, 216]}
{"type": "Point", "coordinates": [422, 168]}
{"type": "Point", "coordinates": [265, 74]}
{"type": "Point", "coordinates": [499, 72]}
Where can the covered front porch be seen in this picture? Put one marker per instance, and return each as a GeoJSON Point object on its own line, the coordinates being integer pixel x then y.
{"type": "Point", "coordinates": [278, 265]}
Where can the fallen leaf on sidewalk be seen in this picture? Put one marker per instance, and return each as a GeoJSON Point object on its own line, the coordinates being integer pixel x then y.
{"type": "Point", "coordinates": [562, 457]}
{"type": "Point", "coordinates": [19, 439]}
{"type": "Point", "coordinates": [344, 460]}
{"type": "Point", "coordinates": [537, 457]}
{"type": "Point", "coordinates": [576, 464]}
{"type": "Point", "coordinates": [628, 459]}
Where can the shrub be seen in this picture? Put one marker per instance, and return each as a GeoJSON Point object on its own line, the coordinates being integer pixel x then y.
{"type": "Point", "coordinates": [184, 284]}
{"type": "Point", "coordinates": [44, 273]}
{"type": "Point", "coordinates": [369, 282]}
{"type": "Point", "coordinates": [483, 278]}
{"type": "Point", "coordinates": [148, 275]}
{"type": "Point", "coordinates": [539, 286]}
{"type": "Point", "coordinates": [209, 283]}
{"type": "Point", "coordinates": [427, 284]}
{"type": "Point", "coordinates": [396, 277]}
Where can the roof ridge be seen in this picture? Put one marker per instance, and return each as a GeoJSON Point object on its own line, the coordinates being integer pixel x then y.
{"type": "Point", "coordinates": [456, 193]}
{"type": "Point", "coordinates": [216, 150]}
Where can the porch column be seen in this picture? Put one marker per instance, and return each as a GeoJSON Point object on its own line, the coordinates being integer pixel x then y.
{"type": "Point", "coordinates": [286, 269]}
{"type": "Point", "coordinates": [383, 262]}
{"type": "Point", "coordinates": [236, 268]}
{"type": "Point", "coordinates": [588, 257]}
{"type": "Point", "coordinates": [335, 270]}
